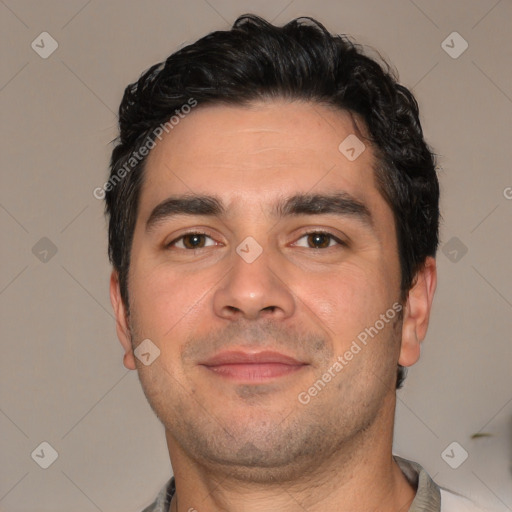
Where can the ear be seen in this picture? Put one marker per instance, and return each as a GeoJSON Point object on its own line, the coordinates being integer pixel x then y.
{"type": "Point", "coordinates": [417, 312]}
{"type": "Point", "coordinates": [122, 325]}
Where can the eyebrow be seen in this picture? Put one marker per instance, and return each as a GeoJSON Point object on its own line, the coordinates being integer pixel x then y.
{"type": "Point", "coordinates": [340, 204]}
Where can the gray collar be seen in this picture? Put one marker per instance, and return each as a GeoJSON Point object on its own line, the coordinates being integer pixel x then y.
{"type": "Point", "coordinates": [428, 494]}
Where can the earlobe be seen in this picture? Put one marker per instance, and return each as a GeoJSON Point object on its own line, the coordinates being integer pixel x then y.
{"type": "Point", "coordinates": [129, 360]}
{"type": "Point", "coordinates": [122, 325]}
{"type": "Point", "coordinates": [417, 312]}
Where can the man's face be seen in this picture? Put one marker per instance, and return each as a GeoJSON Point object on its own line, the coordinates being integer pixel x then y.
{"type": "Point", "coordinates": [242, 339]}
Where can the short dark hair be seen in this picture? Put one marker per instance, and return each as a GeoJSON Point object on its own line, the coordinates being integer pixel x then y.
{"type": "Point", "coordinates": [256, 60]}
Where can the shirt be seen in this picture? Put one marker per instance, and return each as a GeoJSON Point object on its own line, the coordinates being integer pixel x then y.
{"type": "Point", "coordinates": [429, 496]}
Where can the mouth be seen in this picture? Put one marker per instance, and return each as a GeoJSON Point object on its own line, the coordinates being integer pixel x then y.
{"type": "Point", "coordinates": [252, 367]}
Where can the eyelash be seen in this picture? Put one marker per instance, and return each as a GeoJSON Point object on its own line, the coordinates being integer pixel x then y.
{"type": "Point", "coordinates": [308, 233]}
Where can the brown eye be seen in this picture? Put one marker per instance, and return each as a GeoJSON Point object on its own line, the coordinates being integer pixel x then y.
{"type": "Point", "coordinates": [192, 241]}
{"type": "Point", "coordinates": [319, 240]}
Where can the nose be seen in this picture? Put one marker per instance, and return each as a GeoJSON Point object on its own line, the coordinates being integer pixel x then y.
{"type": "Point", "coordinates": [254, 290]}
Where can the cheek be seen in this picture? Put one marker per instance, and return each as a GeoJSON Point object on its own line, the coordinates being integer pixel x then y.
{"type": "Point", "coordinates": [347, 300]}
{"type": "Point", "coordinates": [165, 301]}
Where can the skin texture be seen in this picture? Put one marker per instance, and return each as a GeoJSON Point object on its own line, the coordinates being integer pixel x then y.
{"type": "Point", "coordinates": [250, 446]}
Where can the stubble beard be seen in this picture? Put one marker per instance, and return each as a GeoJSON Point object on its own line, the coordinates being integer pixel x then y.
{"type": "Point", "coordinates": [265, 447]}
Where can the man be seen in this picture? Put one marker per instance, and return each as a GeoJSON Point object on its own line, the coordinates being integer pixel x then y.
{"type": "Point", "coordinates": [273, 227]}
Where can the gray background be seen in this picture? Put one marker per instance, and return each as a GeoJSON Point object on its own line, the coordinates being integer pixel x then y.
{"type": "Point", "coordinates": [62, 378]}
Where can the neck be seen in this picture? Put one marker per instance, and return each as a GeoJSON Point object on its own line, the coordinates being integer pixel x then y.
{"type": "Point", "coordinates": [391, 494]}
{"type": "Point", "coordinates": [360, 475]}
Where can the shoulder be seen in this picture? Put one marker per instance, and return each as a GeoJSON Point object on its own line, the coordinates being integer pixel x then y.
{"type": "Point", "coordinates": [163, 499]}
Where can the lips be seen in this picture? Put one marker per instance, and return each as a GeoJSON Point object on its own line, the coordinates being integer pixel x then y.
{"type": "Point", "coordinates": [239, 357]}
{"type": "Point", "coordinates": [252, 366]}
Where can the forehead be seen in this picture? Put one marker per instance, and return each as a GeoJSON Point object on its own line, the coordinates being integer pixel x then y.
{"type": "Point", "coordinates": [258, 152]}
